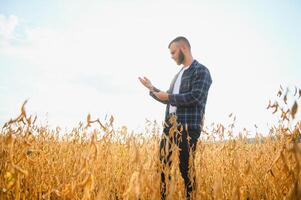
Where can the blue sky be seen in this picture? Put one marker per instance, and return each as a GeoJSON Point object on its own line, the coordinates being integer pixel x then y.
{"type": "Point", "coordinates": [71, 58]}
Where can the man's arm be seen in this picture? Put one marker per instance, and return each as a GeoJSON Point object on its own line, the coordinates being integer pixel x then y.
{"type": "Point", "coordinates": [152, 90]}
{"type": "Point", "coordinates": [201, 81]}
{"type": "Point", "coordinates": [153, 94]}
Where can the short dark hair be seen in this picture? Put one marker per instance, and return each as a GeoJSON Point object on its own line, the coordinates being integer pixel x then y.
{"type": "Point", "coordinates": [180, 39]}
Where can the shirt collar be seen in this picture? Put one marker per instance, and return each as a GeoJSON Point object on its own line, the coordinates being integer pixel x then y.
{"type": "Point", "coordinates": [188, 67]}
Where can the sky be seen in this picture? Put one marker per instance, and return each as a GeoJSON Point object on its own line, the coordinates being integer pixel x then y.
{"type": "Point", "coordinates": [71, 58]}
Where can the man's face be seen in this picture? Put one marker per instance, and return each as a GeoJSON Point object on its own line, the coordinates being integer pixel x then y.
{"type": "Point", "coordinates": [176, 53]}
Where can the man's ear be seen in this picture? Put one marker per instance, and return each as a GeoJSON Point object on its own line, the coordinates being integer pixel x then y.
{"type": "Point", "coordinates": [183, 48]}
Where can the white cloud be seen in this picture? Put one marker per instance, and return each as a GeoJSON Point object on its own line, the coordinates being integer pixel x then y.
{"type": "Point", "coordinates": [7, 26]}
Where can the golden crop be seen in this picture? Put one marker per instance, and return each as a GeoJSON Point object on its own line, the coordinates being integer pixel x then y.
{"type": "Point", "coordinates": [97, 161]}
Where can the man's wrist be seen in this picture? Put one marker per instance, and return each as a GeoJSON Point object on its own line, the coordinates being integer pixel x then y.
{"type": "Point", "coordinates": [151, 89]}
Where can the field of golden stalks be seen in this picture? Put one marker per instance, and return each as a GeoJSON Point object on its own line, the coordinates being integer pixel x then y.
{"type": "Point", "coordinates": [98, 161]}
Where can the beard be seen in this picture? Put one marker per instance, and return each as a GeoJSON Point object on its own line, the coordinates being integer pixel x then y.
{"type": "Point", "coordinates": [181, 58]}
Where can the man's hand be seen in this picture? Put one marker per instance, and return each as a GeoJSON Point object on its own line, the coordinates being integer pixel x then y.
{"type": "Point", "coordinates": [147, 83]}
{"type": "Point", "coordinates": [163, 96]}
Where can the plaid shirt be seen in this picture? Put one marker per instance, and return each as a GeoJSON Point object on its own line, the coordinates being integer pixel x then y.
{"type": "Point", "coordinates": [192, 98]}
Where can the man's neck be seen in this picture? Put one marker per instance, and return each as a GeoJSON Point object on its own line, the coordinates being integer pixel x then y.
{"type": "Point", "coordinates": [187, 62]}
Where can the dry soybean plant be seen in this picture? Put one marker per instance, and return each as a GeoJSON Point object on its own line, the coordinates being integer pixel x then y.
{"type": "Point", "coordinates": [95, 160]}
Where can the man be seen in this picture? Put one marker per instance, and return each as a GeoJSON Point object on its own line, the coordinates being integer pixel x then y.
{"type": "Point", "coordinates": [186, 100]}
